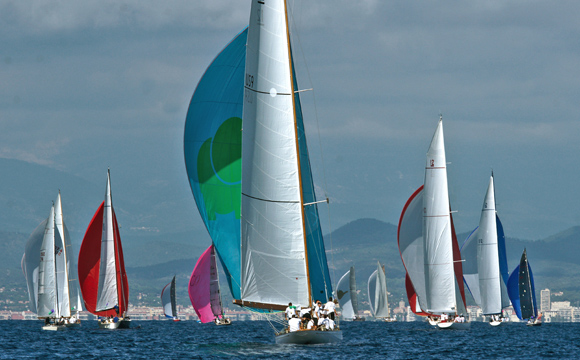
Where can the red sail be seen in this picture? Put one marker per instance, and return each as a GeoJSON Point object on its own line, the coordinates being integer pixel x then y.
{"type": "Point", "coordinates": [89, 262]}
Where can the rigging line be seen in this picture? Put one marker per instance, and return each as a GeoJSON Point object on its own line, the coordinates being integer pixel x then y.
{"type": "Point", "coordinates": [272, 201]}
{"type": "Point", "coordinates": [324, 177]}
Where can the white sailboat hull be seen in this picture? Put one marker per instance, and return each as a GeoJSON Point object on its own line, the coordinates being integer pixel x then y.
{"type": "Point", "coordinates": [495, 323]}
{"type": "Point", "coordinates": [307, 337]}
{"type": "Point", "coordinates": [53, 327]}
{"type": "Point", "coordinates": [224, 321]}
{"type": "Point", "coordinates": [454, 325]}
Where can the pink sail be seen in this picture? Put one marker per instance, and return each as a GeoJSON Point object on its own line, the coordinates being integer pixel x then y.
{"type": "Point", "coordinates": [204, 287]}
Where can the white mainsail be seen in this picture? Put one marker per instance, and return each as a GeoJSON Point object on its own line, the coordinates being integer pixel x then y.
{"type": "Point", "coordinates": [440, 281]}
{"type": "Point", "coordinates": [488, 256]}
{"type": "Point", "coordinates": [377, 291]}
{"type": "Point", "coordinates": [273, 236]}
{"type": "Point", "coordinates": [344, 296]}
{"type": "Point", "coordinates": [107, 296]}
{"type": "Point", "coordinates": [47, 282]}
{"type": "Point", "coordinates": [61, 259]}
{"type": "Point", "coordinates": [31, 263]}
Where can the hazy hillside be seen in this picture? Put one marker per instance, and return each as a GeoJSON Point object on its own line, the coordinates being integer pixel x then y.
{"type": "Point", "coordinates": [152, 260]}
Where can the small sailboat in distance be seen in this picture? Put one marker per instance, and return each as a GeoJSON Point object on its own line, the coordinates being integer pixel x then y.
{"type": "Point", "coordinates": [429, 248]}
{"type": "Point", "coordinates": [101, 268]}
{"type": "Point", "coordinates": [168, 301]}
{"type": "Point", "coordinates": [378, 295]}
{"type": "Point", "coordinates": [347, 296]}
{"type": "Point", "coordinates": [204, 289]}
{"type": "Point", "coordinates": [522, 292]}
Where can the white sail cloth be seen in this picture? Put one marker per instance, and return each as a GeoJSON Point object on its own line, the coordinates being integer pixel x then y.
{"type": "Point", "coordinates": [344, 296]}
{"type": "Point", "coordinates": [438, 252]}
{"type": "Point", "coordinates": [47, 283]}
{"type": "Point", "coordinates": [107, 297]}
{"type": "Point", "coordinates": [274, 269]}
{"type": "Point", "coordinates": [377, 291]}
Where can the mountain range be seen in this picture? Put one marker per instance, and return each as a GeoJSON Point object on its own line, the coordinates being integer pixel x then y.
{"type": "Point", "coordinates": [152, 261]}
{"type": "Point", "coordinates": [171, 246]}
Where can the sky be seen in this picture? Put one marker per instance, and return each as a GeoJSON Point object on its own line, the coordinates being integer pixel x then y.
{"type": "Point", "coordinates": [96, 84]}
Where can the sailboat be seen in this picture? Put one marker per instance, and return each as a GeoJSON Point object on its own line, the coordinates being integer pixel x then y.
{"type": "Point", "coordinates": [48, 304]}
{"type": "Point", "coordinates": [168, 301]}
{"type": "Point", "coordinates": [347, 296]}
{"type": "Point", "coordinates": [378, 296]}
{"type": "Point", "coordinates": [485, 267]}
{"type": "Point", "coordinates": [67, 291]}
{"type": "Point", "coordinates": [101, 267]}
{"type": "Point", "coordinates": [204, 289]}
{"type": "Point", "coordinates": [262, 216]}
{"type": "Point", "coordinates": [522, 292]}
{"type": "Point", "coordinates": [429, 248]}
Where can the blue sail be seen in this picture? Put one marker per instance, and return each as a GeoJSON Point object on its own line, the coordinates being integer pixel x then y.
{"type": "Point", "coordinates": [503, 265]}
{"type": "Point", "coordinates": [212, 149]}
{"type": "Point", "coordinates": [320, 283]}
{"type": "Point", "coordinates": [514, 291]}
{"type": "Point", "coordinates": [513, 286]}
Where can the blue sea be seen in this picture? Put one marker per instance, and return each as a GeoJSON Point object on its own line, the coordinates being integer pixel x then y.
{"type": "Point", "coordinates": [255, 340]}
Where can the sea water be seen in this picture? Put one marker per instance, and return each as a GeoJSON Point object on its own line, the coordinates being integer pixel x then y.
{"type": "Point", "coordinates": [255, 340]}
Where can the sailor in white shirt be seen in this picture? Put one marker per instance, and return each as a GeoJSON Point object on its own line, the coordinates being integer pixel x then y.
{"type": "Point", "coordinates": [290, 310]}
{"type": "Point", "coordinates": [330, 307]}
{"type": "Point", "coordinates": [310, 324]}
{"type": "Point", "coordinates": [294, 323]}
{"type": "Point", "coordinates": [328, 323]}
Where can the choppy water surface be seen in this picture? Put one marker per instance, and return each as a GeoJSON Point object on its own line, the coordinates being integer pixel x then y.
{"type": "Point", "coordinates": [255, 339]}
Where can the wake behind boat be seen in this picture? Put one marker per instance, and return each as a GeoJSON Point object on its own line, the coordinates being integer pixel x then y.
{"type": "Point", "coordinates": [101, 268]}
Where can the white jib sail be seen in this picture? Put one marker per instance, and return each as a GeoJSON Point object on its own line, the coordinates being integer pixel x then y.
{"type": "Point", "coordinates": [47, 285]}
{"type": "Point", "coordinates": [61, 258]}
{"type": "Point", "coordinates": [344, 296]}
{"type": "Point", "coordinates": [438, 251]}
{"type": "Point", "coordinates": [488, 256]}
{"type": "Point", "coordinates": [381, 304]}
{"type": "Point", "coordinates": [274, 269]}
{"type": "Point", "coordinates": [166, 300]}
{"type": "Point", "coordinates": [107, 296]}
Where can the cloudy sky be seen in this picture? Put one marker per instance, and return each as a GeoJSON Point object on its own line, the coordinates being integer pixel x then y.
{"type": "Point", "coordinates": [86, 85]}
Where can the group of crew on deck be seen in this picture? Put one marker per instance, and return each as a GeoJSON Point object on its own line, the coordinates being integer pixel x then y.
{"type": "Point", "coordinates": [319, 317]}
{"type": "Point", "coordinates": [446, 318]}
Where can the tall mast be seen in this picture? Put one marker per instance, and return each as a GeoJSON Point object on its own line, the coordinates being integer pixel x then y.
{"type": "Point", "coordinates": [293, 94]}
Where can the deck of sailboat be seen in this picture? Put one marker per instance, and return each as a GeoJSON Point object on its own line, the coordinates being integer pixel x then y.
{"type": "Point", "coordinates": [309, 337]}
